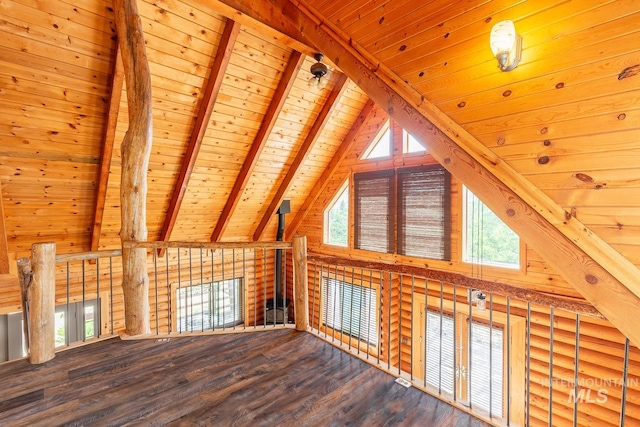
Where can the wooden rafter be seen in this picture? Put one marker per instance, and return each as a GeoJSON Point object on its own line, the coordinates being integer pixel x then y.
{"type": "Point", "coordinates": [602, 275]}
{"type": "Point", "coordinates": [333, 165]}
{"type": "Point", "coordinates": [108, 141]}
{"type": "Point", "coordinates": [310, 140]}
{"type": "Point", "coordinates": [218, 69]}
{"type": "Point", "coordinates": [269, 120]}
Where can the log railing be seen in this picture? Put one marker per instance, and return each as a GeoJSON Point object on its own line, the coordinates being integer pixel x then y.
{"type": "Point", "coordinates": [220, 287]}
{"type": "Point", "coordinates": [507, 355]}
{"type": "Point", "coordinates": [193, 288]}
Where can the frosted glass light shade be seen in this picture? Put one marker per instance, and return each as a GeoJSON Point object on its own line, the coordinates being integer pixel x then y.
{"type": "Point", "coordinates": [506, 45]}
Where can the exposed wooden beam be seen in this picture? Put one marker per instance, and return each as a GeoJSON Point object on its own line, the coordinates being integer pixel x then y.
{"type": "Point", "coordinates": [135, 151]}
{"type": "Point", "coordinates": [269, 120]}
{"type": "Point", "coordinates": [117, 80]}
{"type": "Point", "coordinates": [305, 148]}
{"type": "Point", "coordinates": [218, 69]}
{"type": "Point", "coordinates": [4, 247]}
{"type": "Point", "coordinates": [246, 13]}
{"type": "Point", "coordinates": [602, 275]}
{"type": "Point", "coordinates": [333, 165]}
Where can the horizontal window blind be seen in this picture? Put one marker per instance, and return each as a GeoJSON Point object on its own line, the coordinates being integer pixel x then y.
{"type": "Point", "coordinates": [483, 377]}
{"type": "Point", "coordinates": [440, 341]}
{"type": "Point", "coordinates": [374, 209]}
{"type": "Point", "coordinates": [486, 378]}
{"type": "Point", "coordinates": [351, 309]}
{"type": "Point", "coordinates": [424, 212]}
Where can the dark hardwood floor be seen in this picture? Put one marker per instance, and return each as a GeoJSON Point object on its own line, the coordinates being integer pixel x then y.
{"type": "Point", "coordinates": [276, 378]}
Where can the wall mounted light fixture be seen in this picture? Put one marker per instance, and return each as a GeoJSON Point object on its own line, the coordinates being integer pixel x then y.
{"type": "Point", "coordinates": [319, 71]}
{"type": "Point", "coordinates": [506, 45]}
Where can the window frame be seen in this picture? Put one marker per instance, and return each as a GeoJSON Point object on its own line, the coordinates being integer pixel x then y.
{"type": "Point", "coordinates": [386, 127]}
{"type": "Point", "coordinates": [464, 239]}
{"type": "Point", "coordinates": [353, 341]}
{"type": "Point", "coordinates": [406, 136]}
{"type": "Point", "coordinates": [75, 321]}
{"type": "Point", "coordinates": [360, 227]}
{"type": "Point", "coordinates": [514, 350]}
{"type": "Point", "coordinates": [176, 304]}
{"type": "Point", "coordinates": [326, 216]}
{"type": "Point", "coordinates": [387, 236]}
{"type": "Point", "coordinates": [402, 242]}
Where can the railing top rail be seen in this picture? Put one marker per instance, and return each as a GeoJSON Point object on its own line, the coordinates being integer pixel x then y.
{"type": "Point", "coordinates": [458, 279]}
{"type": "Point", "coordinates": [87, 255]}
{"type": "Point", "coordinates": [208, 245]}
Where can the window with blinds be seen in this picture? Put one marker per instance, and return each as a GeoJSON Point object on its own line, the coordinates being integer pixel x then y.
{"type": "Point", "coordinates": [374, 200]}
{"type": "Point", "coordinates": [424, 207]}
{"type": "Point", "coordinates": [440, 342]}
{"type": "Point", "coordinates": [485, 372]}
{"type": "Point", "coordinates": [483, 377]}
{"type": "Point", "coordinates": [210, 305]}
{"type": "Point", "coordinates": [350, 309]}
{"type": "Point", "coordinates": [421, 212]}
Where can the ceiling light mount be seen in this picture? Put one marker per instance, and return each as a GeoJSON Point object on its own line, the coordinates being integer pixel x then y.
{"type": "Point", "coordinates": [319, 72]}
{"type": "Point", "coordinates": [506, 45]}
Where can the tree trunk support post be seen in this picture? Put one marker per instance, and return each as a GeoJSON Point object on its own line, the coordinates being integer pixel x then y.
{"type": "Point", "coordinates": [42, 303]}
{"type": "Point", "coordinates": [136, 150]}
{"type": "Point", "coordinates": [300, 289]}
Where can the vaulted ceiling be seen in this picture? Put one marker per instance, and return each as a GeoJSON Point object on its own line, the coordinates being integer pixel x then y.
{"type": "Point", "coordinates": [237, 128]}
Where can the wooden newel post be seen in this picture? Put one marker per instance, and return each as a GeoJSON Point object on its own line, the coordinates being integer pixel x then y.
{"type": "Point", "coordinates": [42, 303]}
{"type": "Point", "coordinates": [300, 286]}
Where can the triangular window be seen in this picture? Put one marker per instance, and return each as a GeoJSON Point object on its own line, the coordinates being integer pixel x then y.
{"type": "Point", "coordinates": [336, 218]}
{"type": "Point", "coordinates": [381, 145]}
{"type": "Point", "coordinates": [486, 239]}
{"type": "Point", "coordinates": [410, 144]}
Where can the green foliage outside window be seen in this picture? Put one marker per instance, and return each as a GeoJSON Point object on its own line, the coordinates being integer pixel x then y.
{"type": "Point", "coordinates": [488, 240]}
{"type": "Point", "coordinates": [338, 220]}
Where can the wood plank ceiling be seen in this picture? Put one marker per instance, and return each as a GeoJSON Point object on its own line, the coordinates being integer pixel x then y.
{"type": "Point", "coordinates": [237, 128]}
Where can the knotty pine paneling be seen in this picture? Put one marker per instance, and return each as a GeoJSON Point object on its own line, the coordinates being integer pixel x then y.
{"type": "Point", "coordinates": [53, 86]}
{"type": "Point", "coordinates": [232, 129]}
{"type": "Point", "coordinates": [565, 100]}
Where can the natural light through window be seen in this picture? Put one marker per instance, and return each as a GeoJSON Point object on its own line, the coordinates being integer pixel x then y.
{"type": "Point", "coordinates": [210, 305]}
{"type": "Point", "coordinates": [336, 219]}
{"type": "Point", "coordinates": [350, 309]}
{"type": "Point", "coordinates": [487, 240]}
{"type": "Point", "coordinates": [381, 145]}
{"type": "Point", "coordinates": [411, 145]}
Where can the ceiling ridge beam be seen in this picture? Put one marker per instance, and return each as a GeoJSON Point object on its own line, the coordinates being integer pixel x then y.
{"type": "Point", "coordinates": [335, 162]}
{"type": "Point", "coordinates": [273, 111]}
{"type": "Point", "coordinates": [321, 121]}
{"type": "Point", "coordinates": [108, 142]}
{"type": "Point", "coordinates": [211, 90]}
{"type": "Point", "coordinates": [602, 275]}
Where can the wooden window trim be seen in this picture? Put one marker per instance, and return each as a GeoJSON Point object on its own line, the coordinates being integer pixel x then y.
{"type": "Point", "coordinates": [515, 348]}
{"type": "Point", "coordinates": [337, 334]}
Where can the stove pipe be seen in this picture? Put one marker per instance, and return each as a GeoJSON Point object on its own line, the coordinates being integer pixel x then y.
{"type": "Point", "coordinates": [285, 208]}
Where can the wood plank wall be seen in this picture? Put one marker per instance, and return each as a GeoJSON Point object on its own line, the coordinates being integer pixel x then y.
{"type": "Point", "coordinates": [601, 350]}
{"type": "Point", "coordinates": [78, 281]}
{"type": "Point", "coordinates": [600, 339]}
{"type": "Point", "coordinates": [567, 117]}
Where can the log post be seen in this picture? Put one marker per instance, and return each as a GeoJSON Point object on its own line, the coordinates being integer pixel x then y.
{"type": "Point", "coordinates": [135, 150]}
{"type": "Point", "coordinates": [25, 278]}
{"type": "Point", "coordinates": [300, 286]}
{"type": "Point", "coordinates": [42, 308]}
